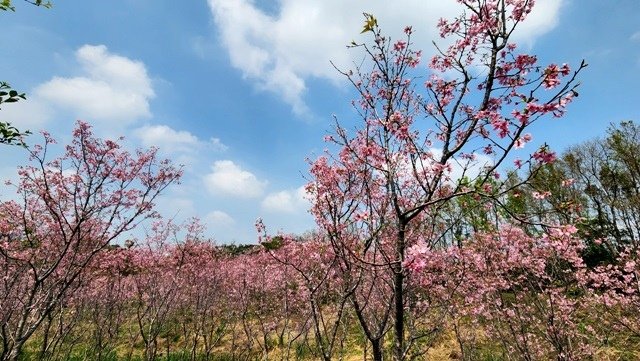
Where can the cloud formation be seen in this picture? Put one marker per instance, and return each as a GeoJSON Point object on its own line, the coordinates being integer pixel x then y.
{"type": "Point", "coordinates": [30, 114]}
{"type": "Point", "coordinates": [228, 179]}
{"type": "Point", "coordinates": [217, 145]}
{"type": "Point", "coordinates": [180, 145]}
{"type": "Point", "coordinates": [287, 201]}
{"type": "Point", "coordinates": [280, 51]}
{"type": "Point", "coordinates": [219, 219]}
{"type": "Point", "coordinates": [110, 87]}
{"type": "Point", "coordinates": [166, 138]}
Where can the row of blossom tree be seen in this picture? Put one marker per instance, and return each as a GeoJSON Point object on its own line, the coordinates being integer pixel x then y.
{"type": "Point", "coordinates": [421, 232]}
{"type": "Point", "coordinates": [505, 293]}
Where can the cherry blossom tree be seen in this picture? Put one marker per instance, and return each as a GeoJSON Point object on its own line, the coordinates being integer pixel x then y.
{"type": "Point", "coordinates": [527, 293]}
{"type": "Point", "coordinates": [205, 312]}
{"type": "Point", "coordinates": [104, 301]}
{"type": "Point", "coordinates": [615, 295]}
{"type": "Point", "coordinates": [71, 208]}
{"type": "Point", "coordinates": [156, 284]}
{"type": "Point", "coordinates": [322, 294]}
{"type": "Point", "coordinates": [420, 146]}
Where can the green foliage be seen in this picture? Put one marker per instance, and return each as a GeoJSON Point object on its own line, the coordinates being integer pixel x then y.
{"type": "Point", "coordinates": [608, 175]}
{"type": "Point", "coordinates": [8, 95]}
{"type": "Point", "coordinates": [9, 134]}
{"type": "Point", "coordinates": [7, 5]}
{"type": "Point", "coordinates": [237, 249]}
{"type": "Point", "coordinates": [594, 185]}
{"type": "Point", "coordinates": [303, 351]}
{"type": "Point", "coordinates": [595, 253]}
{"type": "Point", "coordinates": [370, 23]}
{"type": "Point", "coordinates": [273, 243]}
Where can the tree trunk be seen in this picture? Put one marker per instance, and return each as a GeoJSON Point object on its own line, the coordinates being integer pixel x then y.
{"type": "Point", "coordinates": [398, 292]}
{"type": "Point", "coordinates": [14, 354]}
{"type": "Point", "coordinates": [376, 349]}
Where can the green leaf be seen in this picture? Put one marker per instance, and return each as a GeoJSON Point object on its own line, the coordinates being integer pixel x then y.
{"type": "Point", "coordinates": [273, 244]}
{"type": "Point", "coordinates": [6, 5]}
{"type": "Point", "coordinates": [370, 23]}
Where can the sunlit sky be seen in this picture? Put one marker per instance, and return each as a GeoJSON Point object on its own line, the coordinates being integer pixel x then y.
{"type": "Point", "coordinates": [241, 92]}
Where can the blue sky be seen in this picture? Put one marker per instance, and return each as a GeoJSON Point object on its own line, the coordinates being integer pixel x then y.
{"type": "Point", "coordinates": [241, 91]}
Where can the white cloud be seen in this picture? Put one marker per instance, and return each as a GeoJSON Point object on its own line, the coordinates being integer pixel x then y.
{"type": "Point", "coordinates": [281, 52]}
{"type": "Point", "coordinates": [287, 201]}
{"type": "Point", "coordinates": [544, 17]}
{"type": "Point", "coordinates": [228, 179]}
{"type": "Point", "coordinates": [635, 36]}
{"type": "Point", "coordinates": [111, 87]}
{"type": "Point", "coordinates": [470, 168]}
{"type": "Point", "coordinates": [31, 114]}
{"type": "Point", "coordinates": [166, 138]}
{"type": "Point", "coordinates": [217, 145]}
{"type": "Point", "coordinates": [180, 145]}
{"type": "Point", "coordinates": [219, 219]}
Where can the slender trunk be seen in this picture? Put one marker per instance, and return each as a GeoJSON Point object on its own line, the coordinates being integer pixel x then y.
{"type": "Point", "coordinates": [399, 315]}
{"type": "Point", "coordinates": [6, 346]}
{"type": "Point", "coordinates": [194, 346]}
{"type": "Point", "coordinates": [376, 349]}
{"type": "Point", "coordinates": [14, 354]}
{"type": "Point", "coordinates": [398, 292]}
{"type": "Point", "coordinates": [45, 341]}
